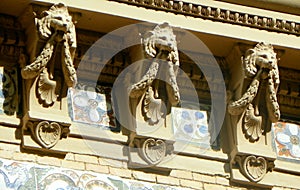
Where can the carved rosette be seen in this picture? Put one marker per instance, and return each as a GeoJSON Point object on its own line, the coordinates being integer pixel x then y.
{"type": "Point", "coordinates": [254, 167]}
{"type": "Point", "coordinates": [51, 47]}
{"type": "Point", "coordinates": [260, 65]}
{"type": "Point", "coordinates": [153, 151]}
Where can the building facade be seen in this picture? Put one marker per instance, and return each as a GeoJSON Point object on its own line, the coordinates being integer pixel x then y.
{"type": "Point", "coordinates": [149, 94]}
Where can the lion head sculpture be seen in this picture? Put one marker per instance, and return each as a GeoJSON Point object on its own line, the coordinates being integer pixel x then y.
{"type": "Point", "coordinates": [57, 20]}
{"type": "Point", "coordinates": [262, 56]}
{"type": "Point", "coordinates": [161, 39]}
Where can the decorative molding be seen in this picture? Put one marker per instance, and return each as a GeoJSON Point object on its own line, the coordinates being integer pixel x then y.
{"type": "Point", "coordinates": [220, 15]}
{"type": "Point", "coordinates": [254, 167]}
{"type": "Point", "coordinates": [260, 63]}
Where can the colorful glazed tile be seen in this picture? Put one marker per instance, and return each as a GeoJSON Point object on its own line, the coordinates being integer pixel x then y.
{"type": "Point", "coordinates": [287, 140]}
{"type": "Point", "coordinates": [191, 126]}
{"type": "Point", "coordinates": [91, 107]}
{"type": "Point", "coordinates": [27, 176]}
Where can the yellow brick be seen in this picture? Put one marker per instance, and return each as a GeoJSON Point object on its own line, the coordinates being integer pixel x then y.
{"type": "Point", "coordinates": [181, 174]}
{"type": "Point", "coordinates": [6, 154]}
{"type": "Point", "coordinates": [204, 178]}
{"type": "Point", "coordinates": [97, 168]}
{"type": "Point", "coordinates": [222, 180]}
{"type": "Point", "coordinates": [49, 161]}
{"type": "Point", "coordinates": [167, 180]}
{"type": "Point", "coordinates": [111, 162]}
{"type": "Point", "coordinates": [69, 156]}
{"type": "Point", "coordinates": [213, 187]}
{"type": "Point", "coordinates": [191, 184]}
{"type": "Point", "coordinates": [23, 157]}
{"type": "Point", "coordinates": [143, 176]}
{"type": "Point", "coordinates": [72, 164]}
{"type": "Point", "coordinates": [86, 158]}
{"type": "Point", "coordinates": [11, 147]}
{"type": "Point", "coordinates": [120, 172]}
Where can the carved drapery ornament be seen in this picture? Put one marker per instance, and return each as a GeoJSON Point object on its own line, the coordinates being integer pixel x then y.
{"type": "Point", "coordinates": [260, 64]}
{"type": "Point", "coordinates": [49, 74]}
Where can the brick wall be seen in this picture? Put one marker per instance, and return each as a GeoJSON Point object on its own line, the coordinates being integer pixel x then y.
{"type": "Point", "coordinates": [90, 163]}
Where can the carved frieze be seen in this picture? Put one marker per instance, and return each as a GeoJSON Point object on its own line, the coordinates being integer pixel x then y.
{"type": "Point", "coordinates": [49, 74]}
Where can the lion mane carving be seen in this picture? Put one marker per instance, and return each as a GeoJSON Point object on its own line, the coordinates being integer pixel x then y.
{"type": "Point", "coordinates": [55, 26]}
{"type": "Point", "coordinates": [260, 63]}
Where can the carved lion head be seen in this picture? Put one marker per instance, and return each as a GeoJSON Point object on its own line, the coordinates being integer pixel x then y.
{"type": "Point", "coordinates": [56, 20]}
{"type": "Point", "coordinates": [161, 39]}
{"type": "Point", "coordinates": [262, 56]}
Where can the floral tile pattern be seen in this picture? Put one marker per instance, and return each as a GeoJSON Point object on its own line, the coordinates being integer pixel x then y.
{"type": "Point", "coordinates": [191, 126]}
{"type": "Point", "coordinates": [30, 176]}
{"type": "Point", "coordinates": [91, 107]}
{"type": "Point", "coordinates": [287, 140]}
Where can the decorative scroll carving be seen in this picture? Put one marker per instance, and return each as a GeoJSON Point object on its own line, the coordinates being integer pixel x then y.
{"type": "Point", "coordinates": [260, 63]}
{"type": "Point", "coordinates": [254, 167]}
{"type": "Point", "coordinates": [160, 45]}
{"type": "Point", "coordinates": [48, 76]}
{"type": "Point", "coordinates": [55, 26]}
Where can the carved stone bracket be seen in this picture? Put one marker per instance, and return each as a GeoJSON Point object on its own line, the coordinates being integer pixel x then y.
{"type": "Point", "coordinates": [261, 64]}
{"type": "Point", "coordinates": [252, 107]}
{"type": "Point", "coordinates": [153, 90]}
{"type": "Point", "coordinates": [254, 167]}
{"type": "Point", "coordinates": [51, 44]}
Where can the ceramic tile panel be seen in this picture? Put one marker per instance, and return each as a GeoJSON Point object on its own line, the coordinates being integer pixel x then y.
{"type": "Point", "coordinates": [191, 126]}
{"type": "Point", "coordinates": [287, 140]}
{"type": "Point", "coordinates": [91, 106]}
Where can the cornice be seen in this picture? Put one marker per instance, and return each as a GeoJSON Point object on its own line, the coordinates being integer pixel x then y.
{"type": "Point", "coordinates": [219, 14]}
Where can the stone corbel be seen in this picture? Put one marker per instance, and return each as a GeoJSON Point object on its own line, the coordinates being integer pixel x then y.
{"type": "Point", "coordinates": [152, 90]}
{"type": "Point", "coordinates": [47, 75]}
{"type": "Point", "coordinates": [252, 108]}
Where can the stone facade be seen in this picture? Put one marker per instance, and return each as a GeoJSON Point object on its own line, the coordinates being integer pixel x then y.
{"type": "Point", "coordinates": [149, 95]}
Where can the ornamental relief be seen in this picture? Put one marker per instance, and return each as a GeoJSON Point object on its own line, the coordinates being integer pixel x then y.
{"type": "Point", "coordinates": [55, 26]}
{"type": "Point", "coordinates": [48, 75]}
{"type": "Point", "coordinates": [260, 66]}
{"type": "Point", "coordinates": [160, 46]}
